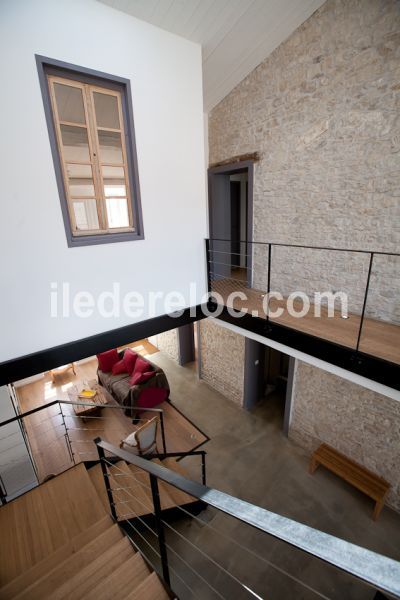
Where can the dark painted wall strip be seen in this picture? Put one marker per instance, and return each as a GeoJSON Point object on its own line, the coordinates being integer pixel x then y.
{"type": "Point", "coordinates": [44, 360]}
{"type": "Point", "coordinates": [371, 367]}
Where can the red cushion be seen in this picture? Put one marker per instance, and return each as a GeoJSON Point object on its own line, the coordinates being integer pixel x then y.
{"type": "Point", "coordinates": [130, 358]}
{"type": "Point", "coordinates": [119, 368]}
{"type": "Point", "coordinates": [152, 396]}
{"type": "Point", "coordinates": [142, 365]}
{"type": "Point", "coordinates": [138, 377]}
{"type": "Point", "coordinates": [107, 360]}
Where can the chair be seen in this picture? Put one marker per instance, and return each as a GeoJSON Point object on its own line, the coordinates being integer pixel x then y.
{"type": "Point", "coordinates": [142, 441]}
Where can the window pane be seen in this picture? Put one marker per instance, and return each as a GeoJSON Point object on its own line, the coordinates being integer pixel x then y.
{"type": "Point", "coordinates": [110, 147]}
{"type": "Point", "coordinates": [117, 212]}
{"type": "Point", "coordinates": [114, 181]}
{"type": "Point", "coordinates": [80, 180]}
{"type": "Point", "coordinates": [69, 103]}
{"type": "Point", "coordinates": [85, 212]}
{"type": "Point", "coordinates": [106, 108]}
{"type": "Point", "coordinates": [75, 143]}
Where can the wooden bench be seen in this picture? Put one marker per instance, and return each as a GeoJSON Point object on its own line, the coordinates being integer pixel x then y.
{"type": "Point", "coordinates": [372, 485]}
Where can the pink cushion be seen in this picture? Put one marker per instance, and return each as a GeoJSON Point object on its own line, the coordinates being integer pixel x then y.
{"type": "Point", "coordinates": [152, 396]}
{"type": "Point", "coordinates": [107, 360]}
{"type": "Point", "coordinates": [130, 359]}
{"type": "Point", "coordinates": [119, 367]}
{"type": "Point", "coordinates": [141, 366]}
{"type": "Point", "coordinates": [138, 377]}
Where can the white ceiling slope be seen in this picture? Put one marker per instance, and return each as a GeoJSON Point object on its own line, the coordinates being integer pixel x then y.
{"type": "Point", "coordinates": [235, 35]}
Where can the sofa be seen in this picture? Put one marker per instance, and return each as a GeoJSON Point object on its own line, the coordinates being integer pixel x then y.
{"type": "Point", "coordinates": [143, 395]}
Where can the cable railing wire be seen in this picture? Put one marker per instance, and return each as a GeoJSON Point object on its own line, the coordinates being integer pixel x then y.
{"type": "Point", "coordinates": [218, 565]}
{"type": "Point", "coordinates": [246, 549]}
{"type": "Point", "coordinates": [167, 545]}
{"type": "Point", "coordinates": [158, 554]}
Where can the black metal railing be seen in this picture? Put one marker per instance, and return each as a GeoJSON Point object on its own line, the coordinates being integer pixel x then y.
{"type": "Point", "coordinates": [64, 430]}
{"type": "Point", "coordinates": [378, 571]}
{"type": "Point", "coordinates": [370, 280]}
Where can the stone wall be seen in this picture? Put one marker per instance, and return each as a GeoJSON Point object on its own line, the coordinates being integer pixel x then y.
{"type": "Point", "coordinates": [168, 342]}
{"type": "Point", "coordinates": [362, 424]}
{"type": "Point", "coordinates": [323, 111]}
{"type": "Point", "coordinates": [222, 355]}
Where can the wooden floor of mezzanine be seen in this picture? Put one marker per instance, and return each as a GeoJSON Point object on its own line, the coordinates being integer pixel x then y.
{"type": "Point", "coordinates": [46, 431]}
{"type": "Point", "coordinates": [378, 338]}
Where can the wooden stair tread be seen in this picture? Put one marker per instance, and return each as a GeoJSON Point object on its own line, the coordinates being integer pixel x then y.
{"type": "Point", "coordinates": [92, 573]}
{"type": "Point", "coordinates": [129, 575]}
{"type": "Point", "coordinates": [46, 518]}
{"type": "Point", "coordinates": [150, 589]}
{"type": "Point", "coordinates": [42, 568]}
{"type": "Point", "coordinates": [363, 478]}
{"type": "Point", "coordinates": [71, 566]}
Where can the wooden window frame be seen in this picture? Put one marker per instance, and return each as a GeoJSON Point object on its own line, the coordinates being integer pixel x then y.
{"type": "Point", "coordinates": [90, 81]}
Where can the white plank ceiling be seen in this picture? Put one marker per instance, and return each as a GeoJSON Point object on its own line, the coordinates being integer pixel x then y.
{"type": "Point", "coordinates": [235, 35]}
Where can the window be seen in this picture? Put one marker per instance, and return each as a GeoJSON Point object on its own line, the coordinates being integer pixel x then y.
{"type": "Point", "coordinates": [94, 155]}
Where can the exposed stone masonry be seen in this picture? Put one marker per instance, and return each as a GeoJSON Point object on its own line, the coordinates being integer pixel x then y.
{"type": "Point", "coordinates": [222, 359]}
{"type": "Point", "coordinates": [361, 424]}
{"type": "Point", "coordinates": [323, 111]}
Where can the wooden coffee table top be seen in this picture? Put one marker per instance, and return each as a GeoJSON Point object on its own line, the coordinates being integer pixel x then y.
{"type": "Point", "coordinates": [102, 397]}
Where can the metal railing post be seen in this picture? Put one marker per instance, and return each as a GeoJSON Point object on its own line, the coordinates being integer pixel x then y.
{"type": "Point", "coordinates": [371, 258]}
{"type": "Point", "coordinates": [110, 497]}
{"type": "Point", "coordinates": [67, 440]}
{"type": "Point", "coordinates": [268, 326]}
{"type": "Point", "coordinates": [160, 528]}
{"type": "Point", "coordinates": [203, 468]}
{"type": "Point", "coordinates": [208, 259]}
{"type": "Point", "coordinates": [163, 432]}
{"type": "Point", "coordinates": [3, 492]}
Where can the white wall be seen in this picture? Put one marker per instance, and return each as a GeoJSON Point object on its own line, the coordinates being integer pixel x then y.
{"type": "Point", "coordinates": [165, 74]}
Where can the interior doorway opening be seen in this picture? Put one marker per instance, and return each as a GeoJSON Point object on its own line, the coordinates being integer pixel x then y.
{"type": "Point", "coordinates": [238, 223]}
{"type": "Point", "coordinates": [231, 219]}
{"type": "Point", "coordinates": [268, 382]}
{"type": "Point", "coordinates": [275, 382]}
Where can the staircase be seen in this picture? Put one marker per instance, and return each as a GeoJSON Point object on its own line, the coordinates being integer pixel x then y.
{"type": "Point", "coordinates": [58, 541]}
{"type": "Point", "coordinates": [132, 493]}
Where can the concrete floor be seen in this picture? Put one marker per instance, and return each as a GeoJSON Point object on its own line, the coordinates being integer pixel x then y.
{"type": "Point", "coordinates": [249, 457]}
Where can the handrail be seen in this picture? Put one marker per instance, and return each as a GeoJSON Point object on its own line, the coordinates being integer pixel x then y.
{"type": "Point", "coordinates": [379, 571]}
{"type": "Point", "coordinates": [21, 416]}
{"type": "Point", "coordinates": [72, 402]}
{"type": "Point", "coordinates": [304, 246]}
{"type": "Point", "coordinates": [202, 453]}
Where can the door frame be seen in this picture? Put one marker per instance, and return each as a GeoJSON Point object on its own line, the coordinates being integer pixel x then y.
{"type": "Point", "coordinates": [234, 168]}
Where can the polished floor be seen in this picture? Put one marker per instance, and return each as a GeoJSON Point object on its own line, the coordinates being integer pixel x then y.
{"type": "Point", "coordinates": [249, 457]}
{"type": "Point", "coordinates": [378, 338]}
{"type": "Point", "coordinates": [46, 429]}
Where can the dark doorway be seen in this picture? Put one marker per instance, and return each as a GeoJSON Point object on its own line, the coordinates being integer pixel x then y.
{"type": "Point", "coordinates": [268, 382]}
{"type": "Point", "coordinates": [230, 219]}
{"type": "Point", "coordinates": [235, 223]}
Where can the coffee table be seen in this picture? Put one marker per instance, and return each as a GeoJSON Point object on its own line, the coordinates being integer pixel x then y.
{"type": "Point", "coordinates": [102, 397]}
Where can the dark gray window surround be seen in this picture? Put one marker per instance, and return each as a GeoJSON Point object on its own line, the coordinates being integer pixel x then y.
{"type": "Point", "coordinates": [56, 67]}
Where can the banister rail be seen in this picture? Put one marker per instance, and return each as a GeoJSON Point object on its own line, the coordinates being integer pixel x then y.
{"type": "Point", "coordinates": [283, 244]}
{"type": "Point", "coordinates": [375, 569]}
{"type": "Point", "coordinates": [276, 298]}
{"type": "Point", "coordinates": [73, 403]}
